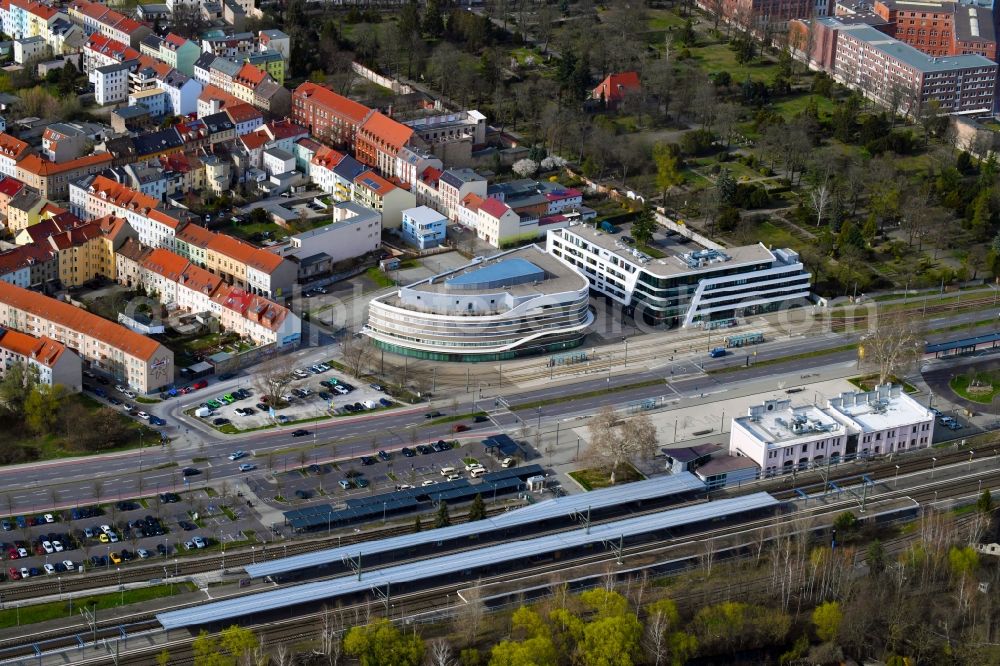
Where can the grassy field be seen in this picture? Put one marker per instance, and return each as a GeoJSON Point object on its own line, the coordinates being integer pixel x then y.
{"type": "Point", "coordinates": [792, 106]}
{"type": "Point", "coordinates": [12, 617]}
{"type": "Point", "coordinates": [377, 276]}
{"type": "Point", "coordinates": [245, 231]}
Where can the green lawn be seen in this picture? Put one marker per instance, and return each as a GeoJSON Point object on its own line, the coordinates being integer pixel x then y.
{"type": "Point", "coordinates": [662, 19]}
{"type": "Point", "coordinates": [771, 234]}
{"type": "Point", "coordinates": [719, 57]}
{"type": "Point", "coordinates": [12, 617]}
{"type": "Point", "coordinates": [592, 479]}
{"type": "Point", "coordinates": [245, 231]}
{"type": "Point", "coordinates": [377, 276]}
{"type": "Point", "coordinates": [792, 106]}
{"type": "Point", "coordinates": [981, 387]}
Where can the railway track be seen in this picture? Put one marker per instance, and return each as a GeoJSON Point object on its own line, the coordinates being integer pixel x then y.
{"type": "Point", "coordinates": [301, 628]}
{"type": "Point", "coordinates": [875, 468]}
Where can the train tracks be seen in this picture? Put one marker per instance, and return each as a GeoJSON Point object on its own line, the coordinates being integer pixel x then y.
{"type": "Point", "coordinates": [438, 599]}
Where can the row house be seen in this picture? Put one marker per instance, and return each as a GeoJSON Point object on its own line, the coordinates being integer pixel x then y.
{"type": "Point", "coordinates": [9, 187]}
{"type": "Point", "coordinates": [256, 318]}
{"type": "Point", "coordinates": [213, 100]}
{"type": "Point", "coordinates": [258, 271]}
{"type": "Point", "coordinates": [191, 242]}
{"type": "Point", "coordinates": [101, 50]}
{"type": "Point", "coordinates": [411, 162]}
{"type": "Point", "coordinates": [456, 184]}
{"type": "Point", "coordinates": [246, 118]}
{"type": "Point", "coordinates": [182, 93]}
{"type": "Point", "coordinates": [201, 69]}
{"type": "Point", "coordinates": [234, 46]}
{"type": "Point", "coordinates": [87, 251]}
{"type": "Point", "coordinates": [24, 209]}
{"type": "Point", "coordinates": [271, 62]}
{"type": "Point", "coordinates": [179, 53]}
{"type": "Point", "coordinates": [50, 220]}
{"type": "Point", "coordinates": [12, 151]}
{"type": "Point", "coordinates": [94, 17]}
{"type": "Point", "coordinates": [373, 191]}
{"type": "Point", "coordinates": [111, 82]}
{"type": "Point", "coordinates": [52, 362]}
{"type": "Point", "coordinates": [129, 357]}
{"type": "Point", "coordinates": [26, 20]}
{"type": "Point", "coordinates": [379, 140]}
{"type": "Point", "coordinates": [223, 72]}
{"type": "Point", "coordinates": [425, 189]}
{"type": "Point", "coordinates": [52, 179]}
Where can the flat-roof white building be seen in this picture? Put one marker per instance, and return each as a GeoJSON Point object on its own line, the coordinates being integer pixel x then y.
{"type": "Point", "coordinates": [690, 285]}
{"type": "Point", "coordinates": [781, 438]}
{"type": "Point", "coordinates": [519, 302]}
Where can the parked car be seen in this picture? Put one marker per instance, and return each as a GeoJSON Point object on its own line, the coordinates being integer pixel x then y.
{"type": "Point", "coordinates": [407, 452]}
{"type": "Point", "coordinates": [384, 455]}
{"type": "Point", "coordinates": [199, 542]}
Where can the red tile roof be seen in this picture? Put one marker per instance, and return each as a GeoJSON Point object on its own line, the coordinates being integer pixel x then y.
{"type": "Point", "coordinates": [243, 112]}
{"type": "Point", "coordinates": [165, 263]}
{"type": "Point", "coordinates": [199, 279]}
{"type": "Point", "coordinates": [614, 86]}
{"type": "Point", "coordinates": [77, 319]}
{"type": "Point", "coordinates": [246, 254]}
{"type": "Point", "coordinates": [34, 164]}
{"type": "Point", "coordinates": [338, 104]}
{"type": "Point", "coordinates": [12, 147]}
{"type": "Point", "coordinates": [174, 40]}
{"type": "Point", "coordinates": [472, 201]}
{"type": "Point", "coordinates": [254, 140]}
{"type": "Point", "coordinates": [387, 130]}
{"type": "Point", "coordinates": [494, 208]}
{"type": "Point", "coordinates": [43, 350]}
{"type": "Point", "coordinates": [211, 92]}
{"type": "Point", "coordinates": [121, 196]}
{"type": "Point", "coordinates": [249, 76]}
{"type": "Point", "coordinates": [10, 186]}
{"type": "Point", "coordinates": [327, 157]}
{"type": "Point", "coordinates": [283, 129]}
{"type": "Point", "coordinates": [194, 234]}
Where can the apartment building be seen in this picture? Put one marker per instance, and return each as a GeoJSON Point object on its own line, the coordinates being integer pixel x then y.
{"type": "Point", "coordinates": [52, 179]}
{"type": "Point", "coordinates": [890, 72]}
{"type": "Point", "coordinates": [258, 271]}
{"type": "Point", "coordinates": [423, 227]}
{"type": "Point", "coordinates": [53, 363]}
{"type": "Point", "coordinates": [379, 140]}
{"type": "Point", "coordinates": [454, 185]}
{"type": "Point", "coordinates": [12, 151]}
{"type": "Point", "coordinates": [332, 118]}
{"type": "Point", "coordinates": [940, 28]}
{"type": "Point", "coordinates": [373, 191]}
{"type": "Point", "coordinates": [133, 359]}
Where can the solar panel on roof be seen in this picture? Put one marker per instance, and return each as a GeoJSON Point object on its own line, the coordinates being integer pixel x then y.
{"type": "Point", "coordinates": [445, 565]}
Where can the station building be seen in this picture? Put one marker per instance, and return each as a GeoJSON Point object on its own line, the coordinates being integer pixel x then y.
{"type": "Point", "coordinates": [856, 424]}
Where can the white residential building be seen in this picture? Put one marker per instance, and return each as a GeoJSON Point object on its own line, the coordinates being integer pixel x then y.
{"type": "Point", "coordinates": [54, 363]}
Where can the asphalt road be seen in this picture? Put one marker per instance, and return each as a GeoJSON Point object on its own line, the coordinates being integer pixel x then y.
{"type": "Point", "coordinates": [67, 483]}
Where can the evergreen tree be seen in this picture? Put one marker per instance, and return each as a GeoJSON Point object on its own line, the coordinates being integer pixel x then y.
{"type": "Point", "coordinates": [443, 518]}
{"type": "Point", "coordinates": [727, 187]}
{"type": "Point", "coordinates": [478, 510]}
{"type": "Point", "coordinates": [643, 227]}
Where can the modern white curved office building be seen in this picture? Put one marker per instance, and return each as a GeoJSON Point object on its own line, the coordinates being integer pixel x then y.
{"type": "Point", "coordinates": [517, 303]}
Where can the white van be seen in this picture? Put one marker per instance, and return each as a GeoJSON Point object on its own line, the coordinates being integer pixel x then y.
{"type": "Point", "coordinates": [447, 471]}
{"type": "Point", "coordinates": [477, 472]}
{"type": "Point", "coordinates": [203, 412]}
{"type": "Point", "coordinates": [370, 404]}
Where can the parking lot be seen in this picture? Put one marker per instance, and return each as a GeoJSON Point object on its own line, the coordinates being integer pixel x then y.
{"type": "Point", "coordinates": [419, 465]}
{"type": "Point", "coordinates": [162, 526]}
{"type": "Point", "coordinates": [315, 392]}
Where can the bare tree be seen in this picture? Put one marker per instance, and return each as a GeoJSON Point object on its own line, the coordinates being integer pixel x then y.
{"type": "Point", "coordinates": [272, 379]}
{"type": "Point", "coordinates": [330, 638]}
{"type": "Point", "coordinates": [615, 441]}
{"type": "Point", "coordinates": [893, 344]}
{"type": "Point", "coordinates": [356, 352]}
{"type": "Point", "coordinates": [472, 617]}
{"type": "Point", "coordinates": [98, 489]}
{"type": "Point", "coordinates": [440, 654]}
{"type": "Point", "coordinates": [656, 639]}
{"type": "Point", "coordinates": [821, 192]}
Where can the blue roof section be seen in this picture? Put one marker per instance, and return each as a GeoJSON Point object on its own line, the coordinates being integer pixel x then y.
{"type": "Point", "coordinates": [349, 168]}
{"type": "Point", "coordinates": [564, 506]}
{"type": "Point", "coordinates": [455, 563]}
{"type": "Point", "coordinates": [499, 274]}
{"type": "Point", "coordinates": [962, 343]}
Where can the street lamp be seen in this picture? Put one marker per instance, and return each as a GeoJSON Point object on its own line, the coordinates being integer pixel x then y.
{"type": "Point", "coordinates": [968, 467]}
{"type": "Point", "coordinates": [895, 480]}
{"type": "Point", "coordinates": [933, 463]}
{"type": "Point", "coordinates": [625, 342]}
